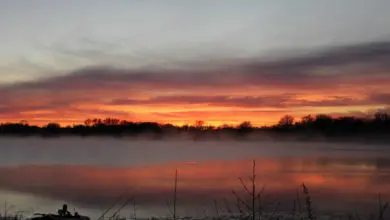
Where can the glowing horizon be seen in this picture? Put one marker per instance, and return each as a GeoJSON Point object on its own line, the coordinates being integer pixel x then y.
{"type": "Point", "coordinates": [237, 62]}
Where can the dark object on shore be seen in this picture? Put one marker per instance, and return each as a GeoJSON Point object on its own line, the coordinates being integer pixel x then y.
{"type": "Point", "coordinates": [57, 217]}
{"type": "Point", "coordinates": [63, 214]}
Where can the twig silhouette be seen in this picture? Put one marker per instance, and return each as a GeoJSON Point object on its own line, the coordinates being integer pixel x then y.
{"type": "Point", "coordinates": [308, 203]}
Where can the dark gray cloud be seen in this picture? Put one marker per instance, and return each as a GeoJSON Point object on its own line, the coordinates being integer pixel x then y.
{"type": "Point", "coordinates": [370, 53]}
{"type": "Point", "coordinates": [278, 101]}
{"type": "Point", "coordinates": [290, 72]}
{"type": "Point", "coordinates": [381, 98]}
{"type": "Point", "coordinates": [248, 101]}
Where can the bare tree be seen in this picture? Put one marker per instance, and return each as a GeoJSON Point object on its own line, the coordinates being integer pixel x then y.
{"type": "Point", "coordinates": [199, 124]}
{"type": "Point", "coordinates": [286, 121]}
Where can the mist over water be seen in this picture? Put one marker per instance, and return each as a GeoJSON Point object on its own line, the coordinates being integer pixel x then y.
{"type": "Point", "coordinates": [90, 173]}
{"type": "Point", "coordinates": [105, 151]}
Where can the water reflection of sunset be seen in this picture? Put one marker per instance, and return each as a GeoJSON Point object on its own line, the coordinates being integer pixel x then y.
{"type": "Point", "coordinates": [200, 182]}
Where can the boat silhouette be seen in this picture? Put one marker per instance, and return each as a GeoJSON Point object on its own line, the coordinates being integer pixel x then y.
{"type": "Point", "coordinates": [63, 214]}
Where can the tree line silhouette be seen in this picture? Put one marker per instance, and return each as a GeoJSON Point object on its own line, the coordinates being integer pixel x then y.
{"type": "Point", "coordinates": [378, 124]}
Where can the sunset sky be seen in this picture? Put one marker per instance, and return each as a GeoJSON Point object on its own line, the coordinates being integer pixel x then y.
{"type": "Point", "coordinates": [179, 61]}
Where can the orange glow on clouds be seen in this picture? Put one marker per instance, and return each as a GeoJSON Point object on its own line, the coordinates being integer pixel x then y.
{"type": "Point", "coordinates": [259, 92]}
{"type": "Point", "coordinates": [177, 114]}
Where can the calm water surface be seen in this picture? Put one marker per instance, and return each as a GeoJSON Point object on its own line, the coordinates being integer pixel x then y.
{"type": "Point", "coordinates": [39, 175]}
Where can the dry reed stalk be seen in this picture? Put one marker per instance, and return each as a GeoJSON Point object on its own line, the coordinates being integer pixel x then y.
{"type": "Point", "coordinates": [382, 208]}
{"type": "Point", "coordinates": [216, 208]}
{"type": "Point", "coordinates": [308, 203]}
{"type": "Point", "coordinates": [175, 197]}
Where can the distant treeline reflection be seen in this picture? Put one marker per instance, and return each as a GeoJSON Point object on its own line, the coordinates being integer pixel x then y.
{"type": "Point", "coordinates": [324, 125]}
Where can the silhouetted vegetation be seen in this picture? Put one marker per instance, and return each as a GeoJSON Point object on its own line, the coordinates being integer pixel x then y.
{"type": "Point", "coordinates": [307, 127]}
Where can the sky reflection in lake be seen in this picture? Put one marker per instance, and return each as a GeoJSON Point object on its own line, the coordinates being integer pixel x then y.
{"type": "Point", "coordinates": [335, 183]}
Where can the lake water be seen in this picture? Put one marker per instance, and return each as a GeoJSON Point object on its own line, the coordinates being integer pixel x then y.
{"type": "Point", "coordinates": [39, 175]}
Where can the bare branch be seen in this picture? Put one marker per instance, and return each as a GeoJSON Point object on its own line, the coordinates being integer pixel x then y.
{"type": "Point", "coordinates": [169, 208]}
{"type": "Point", "coordinates": [245, 187]}
{"type": "Point", "coordinates": [216, 208]}
{"type": "Point", "coordinates": [241, 200]}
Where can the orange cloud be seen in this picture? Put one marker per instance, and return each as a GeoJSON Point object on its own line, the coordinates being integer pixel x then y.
{"type": "Point", "coordinates": [339, 80]}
